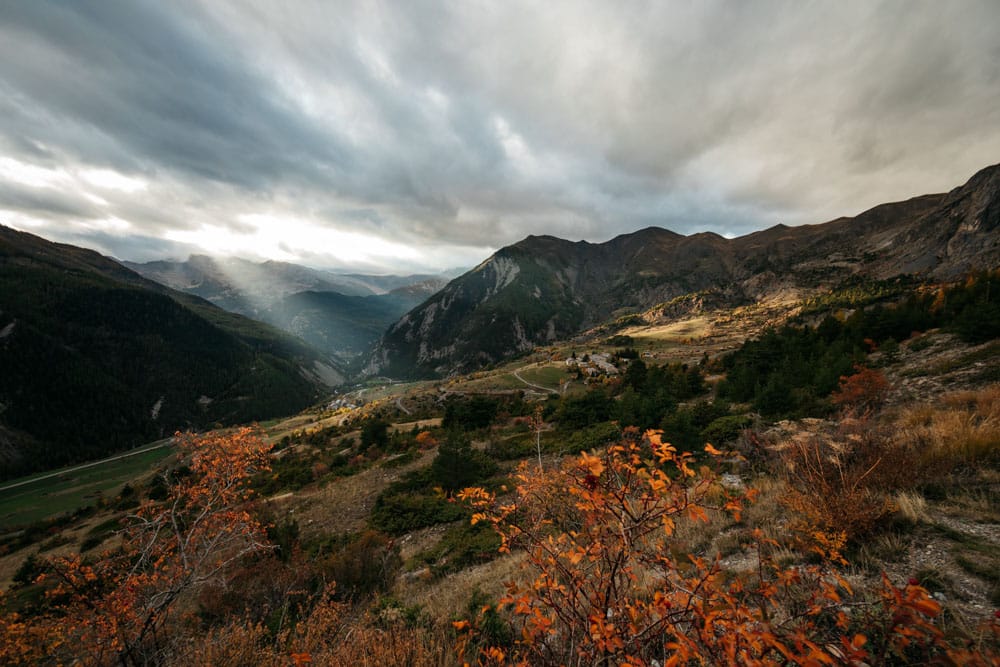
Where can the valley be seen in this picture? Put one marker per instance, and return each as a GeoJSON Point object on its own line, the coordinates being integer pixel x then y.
{"type": "Point", "coordinates": [443, 334]}
{"type": "Point", "coordinates": [357, 478]}
{"type": "Point", "coordinates": [98, 359]}
{"type": "Point", "coordinates": [632, 420]}
{"type": "Point", "coordinates": [339, 314]}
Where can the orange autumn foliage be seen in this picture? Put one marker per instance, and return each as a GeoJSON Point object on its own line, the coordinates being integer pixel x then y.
{"type": "Point", "coordinates": [114, 610]}
{"type": "Point", "coordinates": [607, 587]}
{"type": "Point", "coordinates": [25, 642]}
{"type": "Point", "coordinates": [863, 391]}
{"type": "Point", "coordinates": [425, 440]}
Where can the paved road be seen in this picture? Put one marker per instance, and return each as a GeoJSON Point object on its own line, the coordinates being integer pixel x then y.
{"type": "Point", "coordinates": [83, 466]}
{"type": "Point", "coordinates": [399, 404]}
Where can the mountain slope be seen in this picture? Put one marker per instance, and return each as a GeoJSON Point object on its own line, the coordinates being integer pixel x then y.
{"type": "Point", "coordinates": [543, 288]}
{"type": "Point", "coordinates": [96, 358]}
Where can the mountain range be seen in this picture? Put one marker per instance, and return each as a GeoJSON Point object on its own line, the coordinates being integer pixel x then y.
{"type": "Point", "coordinates": [544, 289]}
{"type": "Point", "coordinates": [340, 314]}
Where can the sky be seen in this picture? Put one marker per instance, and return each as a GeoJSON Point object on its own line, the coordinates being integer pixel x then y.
{"type": "Point", "coordinates": [410, 136]}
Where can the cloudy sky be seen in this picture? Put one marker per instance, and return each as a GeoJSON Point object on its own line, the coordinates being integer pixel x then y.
{"type": "Point", "coordinates": [417, 135]}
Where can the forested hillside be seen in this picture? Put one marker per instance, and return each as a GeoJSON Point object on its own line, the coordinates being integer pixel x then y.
{"type": "Point", "coordinates": [94, 361]}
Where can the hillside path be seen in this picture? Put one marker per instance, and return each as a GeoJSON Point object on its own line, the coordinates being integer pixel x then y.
{"type": "Point", "coordinates": [549, 390]}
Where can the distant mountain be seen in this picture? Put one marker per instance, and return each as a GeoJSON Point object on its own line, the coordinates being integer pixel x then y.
{"type": "Point", "coordinates": [235, 283]}
{"type": "Point", "coordinates": [343, 325]}
{"type": "Point", "coordinates": [346, 323]}
{"type": "Point", "coordinates": [426, 284]}
{"type": "Point", "coordinates": [543, 288]}
{"type": "Point", "coordinates": [95, 358]}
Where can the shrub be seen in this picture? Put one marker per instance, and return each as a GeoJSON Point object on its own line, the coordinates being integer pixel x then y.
{"type": "Point", "coordinates": [685, 426]}
{"type": "Point", "coordinates": [425, 440]}
{"type": "Point", "coordinates": [400, 460]}
{"type": "Point", "coordinates": [115, 609]}
{"type": "Point", "coordinates": [470, 414]}
{"type": "Point", "coordinates": [576, 412]}
{"type": "Point", "coordinates": [511, 448]}
{"type": "Point", "coordinates": [592, 437]}
{"type": "Point", "coordinates": [400, 513]}
{"type": "Point", "coordinates": [864, 391]}
{"type": "Point", "coordinates": [367, 563]}
{"type": "Point", "coordinates": [458, 465]}
{"type": "Point", "coordinates": [610, 591]}
{"type": "Point", "coordinates": [840, 483]}
{"type": "Point", "coordinates": [889, 351]}
{"type": "Point", "coordinates": [374, 433]}
{"type": "Point", "coordinates": [493, 629]}
{"type": "Point", "coordinates": [727, 429]}
{"type": "Point", "coordinates": [462, 545]}
{"type": "Point", "coordinates": [28, 571]}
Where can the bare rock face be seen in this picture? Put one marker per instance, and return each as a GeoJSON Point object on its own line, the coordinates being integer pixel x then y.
{"type": "Point", "coordinates": [544, 288]}
{"type": "Point", "coordinates": [974, 214]}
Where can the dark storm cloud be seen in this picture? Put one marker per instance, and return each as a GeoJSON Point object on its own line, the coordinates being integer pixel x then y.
{"type": "Point", "coordinates": [157, 84]}
{"type": "Point", "coordinates": [454, 128]}
{"type": "Point", "coordinates": [132, 247]}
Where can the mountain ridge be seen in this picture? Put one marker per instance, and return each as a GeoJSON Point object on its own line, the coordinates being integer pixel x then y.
{"type": "Point", "coordinates": [543, 288]}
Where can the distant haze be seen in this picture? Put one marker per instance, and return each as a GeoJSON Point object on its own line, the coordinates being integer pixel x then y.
{"type": "Point", "coordinates": [416, 136]}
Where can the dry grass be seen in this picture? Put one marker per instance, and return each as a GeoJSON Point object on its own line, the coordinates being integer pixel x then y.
{"type": "Point", "coordinates": [304, 423]}
{"type": "Point", "coordinates": [911, 507]}
{"type": "Point", "coordinates": [976, 499]}
{"type": "Point", "coordinates": [767, 511]}
{"type": "Point", "coordinates": [965, 430]}
{"type": "Point", "coordinates": [697, 537]}
{"type": "Point", "coordinates": [444, 598]}
{"type": "Point", "coordinates": [330, 635]}
{"type": "Point", "coordinates": [344, 505]}
{"type": "Point", "coordinates": [419, 541]}
{"type": "Point", "coordinates": [684, 330]}
{"type": "Point", "coordinates": [886, 548]}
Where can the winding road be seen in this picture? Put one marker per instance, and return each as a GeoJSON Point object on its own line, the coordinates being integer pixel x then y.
{"type": "Point", "coordinates": [548, 390]}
